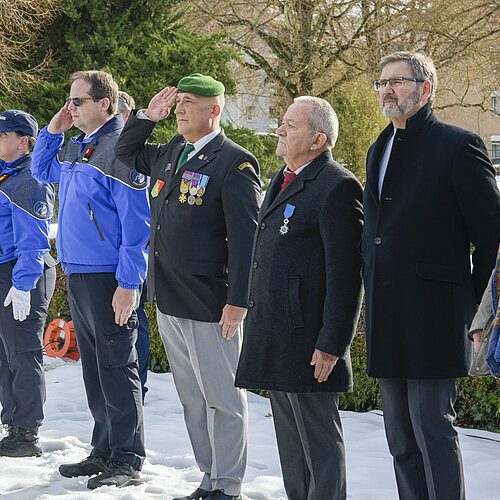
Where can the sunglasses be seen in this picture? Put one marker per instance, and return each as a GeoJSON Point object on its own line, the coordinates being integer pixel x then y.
{"type": "Point", "coordinates": [77, 101]}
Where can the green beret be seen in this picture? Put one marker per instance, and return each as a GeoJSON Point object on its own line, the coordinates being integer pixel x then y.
{"type": "Point", "coordinates": [201, 85]}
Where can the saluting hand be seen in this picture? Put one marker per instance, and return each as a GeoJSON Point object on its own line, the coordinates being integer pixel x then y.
{"type": "Point", "coordinates": [161, 104]}
{"type": "Point", "coordinates": [123, 304]}
{"type": "Point", "coordinates": [324, 364]}
{"type": "Point", "coordinates": [61, 121]}
{"type": "Point", "coordinates": [231, 318]}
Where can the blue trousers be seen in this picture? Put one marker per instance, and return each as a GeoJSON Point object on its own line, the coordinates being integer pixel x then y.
{"type": "Point", "coordinates": [22, 381]}
{"type": "Point", "coordinates": [110, 370]}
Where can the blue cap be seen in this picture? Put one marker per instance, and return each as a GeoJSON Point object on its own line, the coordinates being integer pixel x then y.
{"type": "Point", "coordinates": [13, 120]}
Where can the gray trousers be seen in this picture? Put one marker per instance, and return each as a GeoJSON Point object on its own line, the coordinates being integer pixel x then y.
{"type": "Point", "coordinates": [215, 411]}
{"type": "Point", "coordinates": [310, 444]}
{"type": "Point", "coordinates": [418, 419]}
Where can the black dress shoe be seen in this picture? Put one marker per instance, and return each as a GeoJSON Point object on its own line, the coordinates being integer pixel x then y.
{"type": "Point", "coordinates": [117, 473]}
{"type": "Point", "coordinates": [220, 495]}
{"type": "Point", "coordinates": [198, 494]}
{"type": "Point", "coordinates": [87, 467]}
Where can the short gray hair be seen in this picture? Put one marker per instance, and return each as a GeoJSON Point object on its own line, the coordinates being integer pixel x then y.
{"type": "Point", "coordinates": [322, 118]}
{"type": "Point", "coordinates": [125, 102]}
{"type": "Point", "coordinates": [421, 66]}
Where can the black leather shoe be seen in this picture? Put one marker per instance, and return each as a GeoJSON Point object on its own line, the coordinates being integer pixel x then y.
{"type": "Point", "coordinates": [220, 495]}
{"type": "Point", "coordinates": [87, 467]}
{"type": "Point", "coordinates": [117, 473]}
{"type": "Point", "coordinates": [198, 494]}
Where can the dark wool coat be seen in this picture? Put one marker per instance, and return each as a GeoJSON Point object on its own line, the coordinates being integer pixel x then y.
{"type": "Point", "coordinates": [305, 285]}
{"type": "Point", "coordinates": [199, 257]}
{"type": "Point", "coordinates": [439, 195]}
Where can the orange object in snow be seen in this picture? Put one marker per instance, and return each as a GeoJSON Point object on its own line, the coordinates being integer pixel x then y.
{"type": "Point", "coordinates": [60, 340]}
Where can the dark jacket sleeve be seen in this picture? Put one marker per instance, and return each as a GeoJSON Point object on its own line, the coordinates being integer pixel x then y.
{"type": "Point", "coordinates": [240, 199]}
{"type": "Point", "coordinates": [341, 222]}
{"type": "Point", "coordinates": [479, 200]}
{"type": "Point", "coordinates": [132, 148]}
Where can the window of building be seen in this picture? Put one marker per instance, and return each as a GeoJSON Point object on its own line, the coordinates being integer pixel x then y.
{"type": "Point", "coordinates": [250, 113]}
{"type": "Point", "coordinates": [495, 101]}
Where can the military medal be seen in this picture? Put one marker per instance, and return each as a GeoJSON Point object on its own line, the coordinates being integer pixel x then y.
{"type": "Point", "coordinates": [87, 155]}
{"type": "Point", "coordinates": [287, 214]}
{"type": "Point", "coordinates": [193, 187]}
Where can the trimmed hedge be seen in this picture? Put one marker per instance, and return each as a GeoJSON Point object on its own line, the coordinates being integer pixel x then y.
{"type": "Point", "coordinates": [478, 400]}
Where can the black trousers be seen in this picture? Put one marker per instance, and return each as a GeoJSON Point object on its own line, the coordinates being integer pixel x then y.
{"type": "Point", "coordinates": [310, 444]}
{"type": "Point", "coordinates": [110, 369]}
{"type": "Point", "coordinates": [22, 381]}
{"type": "Point", "coordinates": [418, 419]}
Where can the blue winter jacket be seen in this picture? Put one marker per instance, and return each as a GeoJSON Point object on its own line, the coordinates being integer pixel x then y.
{"type": "Point", "coordinates": [103, 206]}
{"type": "Point", "coordinates": [26, 207]}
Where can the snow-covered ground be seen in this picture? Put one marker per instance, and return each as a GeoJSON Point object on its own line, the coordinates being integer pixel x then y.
{"type": "Point", "coordinates": [170, 469]}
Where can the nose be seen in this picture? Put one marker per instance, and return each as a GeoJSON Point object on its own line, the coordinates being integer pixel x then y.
{"type": "Point", "coordinates": [178, 109]}
{"type": "Point", "coordinates": [281, 131]}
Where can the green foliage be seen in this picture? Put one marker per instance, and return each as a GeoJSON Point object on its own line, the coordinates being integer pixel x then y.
{"type": "Point", "coordinates": [263, 147]}
{"type": "Point", "coordinates": [143, 43]}
{"type": "Point", "coordinates": [361, 121]}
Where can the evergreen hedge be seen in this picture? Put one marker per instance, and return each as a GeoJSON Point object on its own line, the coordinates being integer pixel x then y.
{"type": "Point", "coordinates": [478, 400]}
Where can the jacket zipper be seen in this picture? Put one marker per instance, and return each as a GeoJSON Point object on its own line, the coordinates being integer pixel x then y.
{"type": "Point", "coordinates": [92, 217]}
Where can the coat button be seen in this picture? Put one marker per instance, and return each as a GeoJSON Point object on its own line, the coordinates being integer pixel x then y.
{"type": "Point", "coordinates": [255, 265]}
{"type": "Point", "coordinates": [378, 240]}
{"type": "Point", "coordinates": [157, 254]}
{"type": "Point", "coordinates": [158, 227]}
{"type": "Point", "coordinates": [262, 225]}
{"type": "Point", "coordinates": [166, 202]}
{"type": "Point", "coordinates": [251, 303]}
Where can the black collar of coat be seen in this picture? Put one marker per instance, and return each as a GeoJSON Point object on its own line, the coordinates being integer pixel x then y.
{"type": "Point", "coordinates": [277, 197]}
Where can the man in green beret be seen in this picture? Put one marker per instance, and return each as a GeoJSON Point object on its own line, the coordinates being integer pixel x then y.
{"type": "Point", "coordinates": [205, 192]}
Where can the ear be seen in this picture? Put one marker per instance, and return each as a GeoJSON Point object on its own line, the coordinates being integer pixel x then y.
{"type": "Point", "coordinates": [426, 90]}
{"type": "Point", "coordinates": [215, 111]}
{"type": "Point", "coordinates": [23, 143]}
{"type": "Point", "coordinates": [105, 103]}
{"type": "Point", "coordinates": [318, 141]}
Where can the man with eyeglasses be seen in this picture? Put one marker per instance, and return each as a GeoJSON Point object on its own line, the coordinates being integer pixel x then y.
{"type": "Point", "coordinates": [430, 194]}
{"type": "Point", "coordinates": [103, 231]}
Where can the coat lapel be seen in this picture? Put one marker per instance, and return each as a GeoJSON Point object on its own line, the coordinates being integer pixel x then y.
{"type": "Point", "coordinates": [373, 163]}
{"type": "Point", "coordinates": [296, 185]}
{"type": "Point", "coordinates": [202, 158]}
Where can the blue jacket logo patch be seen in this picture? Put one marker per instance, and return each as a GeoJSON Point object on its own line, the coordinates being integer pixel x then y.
{"type": "Point", "coordinates": [41, 209]}
{"type": "Point", "coordinates": [137, 179]}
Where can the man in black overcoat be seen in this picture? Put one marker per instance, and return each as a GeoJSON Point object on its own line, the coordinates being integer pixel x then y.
{"type": "Point", "coordinates": [204, 201]}
{"type": "Point", "coordinates": [304, 301]}
{"type": "Point", "coordinates": [430, 194]}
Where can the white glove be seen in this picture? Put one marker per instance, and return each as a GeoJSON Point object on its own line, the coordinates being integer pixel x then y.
{"type": "Point", "coordinates": [21, 303]}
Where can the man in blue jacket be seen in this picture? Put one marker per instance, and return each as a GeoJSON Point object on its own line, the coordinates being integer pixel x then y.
{"type": "Point", "coordinates": [103, 231]}
{"type": "Point", "coordinates": [27, 280]}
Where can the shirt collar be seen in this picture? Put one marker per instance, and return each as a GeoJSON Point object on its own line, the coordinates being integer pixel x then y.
{"type": "Point", "coordinates": [296, 172]}
{"type": "Point", "coordinates": [201, 143]}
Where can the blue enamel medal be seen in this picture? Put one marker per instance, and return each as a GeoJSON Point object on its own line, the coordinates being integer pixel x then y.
{"type": "Point", "coordinates": [287, 214]}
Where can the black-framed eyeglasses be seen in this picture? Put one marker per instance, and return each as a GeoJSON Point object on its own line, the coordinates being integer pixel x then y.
{"type": "Point", "coordinates": [395, 83]}
{"type": "Point", "coordinates": [77, 101]}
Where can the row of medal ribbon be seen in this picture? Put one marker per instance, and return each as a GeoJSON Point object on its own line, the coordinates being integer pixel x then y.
{"type": "Point", "coordinates": [193, 187]}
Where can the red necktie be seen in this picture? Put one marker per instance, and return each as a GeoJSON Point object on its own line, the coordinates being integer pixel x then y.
{"type": "Point", "coordinates": [288, 177]}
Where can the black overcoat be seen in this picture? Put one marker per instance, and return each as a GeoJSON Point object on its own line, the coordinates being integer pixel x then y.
{"type": "Point", "coordinates": [305, 284]}
{"type": "Point", "coordinates": [199, 257]}
{"type": "Point", "coordinates": [439, 195]}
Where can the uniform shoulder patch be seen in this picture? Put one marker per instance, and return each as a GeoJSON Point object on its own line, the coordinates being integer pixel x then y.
{"type": "Point", "coordinates": [245, 165]}
{"type": "Point", "coordinates": [41, 210]}
{"type": "Point", "coordinates": [137, 179]}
